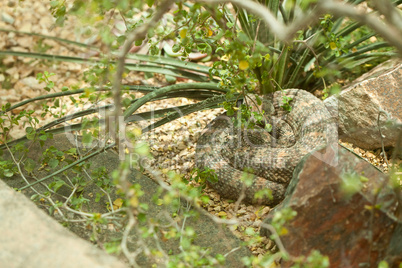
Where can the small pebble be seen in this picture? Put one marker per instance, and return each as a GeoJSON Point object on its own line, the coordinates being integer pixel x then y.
{"type": "Point", "coordinates": [7, 18]}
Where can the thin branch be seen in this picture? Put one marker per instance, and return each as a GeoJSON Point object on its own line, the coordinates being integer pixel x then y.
{"type": "Point", "coordinates": [276, 238]}
{"type": "Point", "coordinates": [260, 10]}
{"type": "Point", "coordinates": [390, 13]}
{"type": "Point", "coordinates": [130, 225]}
{"type": "Point", "coordinates": [382, 136]}
{"type": "Point", "coordinates": [387, 31]}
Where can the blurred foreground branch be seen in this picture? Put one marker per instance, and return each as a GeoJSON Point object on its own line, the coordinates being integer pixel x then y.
{"type": "Point", "coordinates": [390, 28]}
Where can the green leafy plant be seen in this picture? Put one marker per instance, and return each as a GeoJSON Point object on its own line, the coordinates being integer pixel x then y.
{"type": "Point", "coordinates": [308, 62]}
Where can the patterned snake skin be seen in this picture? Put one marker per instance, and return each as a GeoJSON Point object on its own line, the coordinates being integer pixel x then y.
{"type": "Point", "coordinates": [268, 159]}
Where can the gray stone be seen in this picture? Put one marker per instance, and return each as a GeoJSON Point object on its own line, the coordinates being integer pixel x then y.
{"type": "Point", "coordinates": [7, 18]}
{"type": "Point", "coordinates": [357, 107]}
{"type": "Point", "coordinates": [30, 238]}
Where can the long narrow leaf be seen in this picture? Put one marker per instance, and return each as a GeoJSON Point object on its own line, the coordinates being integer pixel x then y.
{"type": "Point", "coordinates": [62, 40]}
{"type": "Point", "coordinates": [296, 70]}
{"type": "Point", "coordinates": [164, 90]}
{"type": "Point", "coordinates": [280, 70]}
{"type": "Point", "coordinates": [202, 105]}
{"type": "Point", "coordinates": [47, 96]}
{"type": "Point", "coordinates": [366, 48]}
{"type": "Point", "coordinates": [171, 62]}
{"type": "Point", "coordinates": [67, 93]}
{"type": "Point", "coordinates": [130, 66]}
{"type": "Point", "coordinates": [146, 58]}
{"type": "Point", "coordinates": [361, 40]}
{"type": "Point", "coordinates": [163, 70]}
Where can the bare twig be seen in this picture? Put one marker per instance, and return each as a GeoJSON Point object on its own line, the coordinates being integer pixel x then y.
{"type": "Point", "coordinates": [276, 237]}
{"type": "Point", "coordinates": [388, 31]}
{"type": "Point", "coordinates": [390, 13]}
{"type": "Point", "coordinates": [283, 32]}
{"type": "Point", "coordinates": [129, 256]}
{"type": "Point", "coordinates": [260, 10]}
{"type": "Point", "coordinates": [382, 136]}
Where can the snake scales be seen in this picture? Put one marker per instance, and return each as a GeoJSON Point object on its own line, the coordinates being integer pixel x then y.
{"type": "Point", "coordinates": [269, 159]}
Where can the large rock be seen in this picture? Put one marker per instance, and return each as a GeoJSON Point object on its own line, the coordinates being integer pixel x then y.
{"type": "Point", "coordinates": [334, 198]}
{"type": "Point", "coordinates": [208, 234]}
{"type": "Point", "coordinates": [30, 238]}
{"type": "Point", "coordinates": [357, 107]}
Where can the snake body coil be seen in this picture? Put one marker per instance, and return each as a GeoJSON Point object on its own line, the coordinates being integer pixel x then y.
{"type": "Point", "coordinates": [267, 160]}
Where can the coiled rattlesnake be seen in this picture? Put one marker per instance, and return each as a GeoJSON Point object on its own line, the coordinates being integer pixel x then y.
{"type": "Point", "coordinates": [232, 152]}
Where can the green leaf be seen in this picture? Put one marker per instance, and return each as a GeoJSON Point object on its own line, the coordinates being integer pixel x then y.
{"type": "Point", "coordinates": [138, 42]}
{"type": "Point", "coordinates": [150, 2]}
{"type": "Point", "coordinates": [7, 106]}
{"type": "Point", "coordinates": [72, 151]}
{"type": "Point", "coordinates": [247, 178]}
{"type": "Point", "coordinates": [39, 77]}
{"type": "Point", "coordinates": [350, 185]}
{"type": "Point", "coordinates": [29, 130]}
{"type": "Point", "coordinates": [229, 24]}
{"type": "Point", "coordinates": [87, 138]}
{"type": "Point", "coordinates": [34, 197]}
{"type": "Point", "coordinates": [142, 217]}
{"type": "Point", "coordinates": [29, 165]}
{"type": "Point", "coordinates": [142, 148]}
{"type": "Point", "coordinates": [268, 127]}
{"type": "Point", "coordinates": [57, 184]}
{"type": "Point", "coordinates": [57, 103]}
{"type": "Point", "coordinates": [258, 99]}
{"type": "Point", "coordinates": [8, 173]}
{"type": "Point", "coordinates": [249, 231]}
{"type": "Point", "coordinates": [51, 210]}
{"type": "Point", "coordinates": [364, 179]}
{"type": "Point", "coordinates": [205, 48]}
{"type": "Point", "coordinates": [383, 264]}
{"type": "Point", "coordinates": [53, 163]}
{"type": "Point", "coordinates": [204, 199]}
